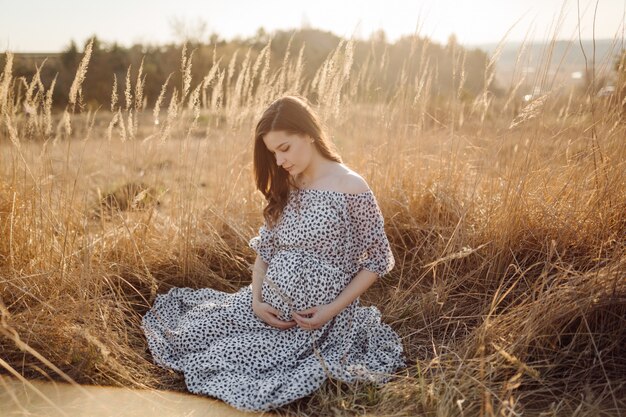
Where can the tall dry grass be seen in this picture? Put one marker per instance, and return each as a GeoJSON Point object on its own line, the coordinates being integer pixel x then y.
{"type": "Point", "coordinates": [507, 220]}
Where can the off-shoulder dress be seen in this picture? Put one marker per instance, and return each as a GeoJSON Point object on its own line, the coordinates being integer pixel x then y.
{"type": "Point", "coordinates": [322, 240]}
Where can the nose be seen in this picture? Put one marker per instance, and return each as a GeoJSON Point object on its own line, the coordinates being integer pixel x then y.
{"type": "Point", "coordinates": [280, 160]}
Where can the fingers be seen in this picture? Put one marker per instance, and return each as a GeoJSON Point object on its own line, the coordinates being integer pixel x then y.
{"type": "Point", "coordinates": [281, 324]}
{"type": "Point", "coordinates": [304, 322]}
{"type": "Point", "coordinates": [274, 311]}
{"type": "Point", "coordinates": [277, 322]}
{"type": "Point", "coordinates": [284, 325]}
{"type": "Point", "coordinates": [270, 315]}
{"type": "Point", "coordinates": [311, 310]}
{"type": "Point", "coordinates": [273, 320]}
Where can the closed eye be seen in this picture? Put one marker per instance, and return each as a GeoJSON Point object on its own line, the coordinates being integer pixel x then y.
{"type": "Point", "coordinates": [282, 150]}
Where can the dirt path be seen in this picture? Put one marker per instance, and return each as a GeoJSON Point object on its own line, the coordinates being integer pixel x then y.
{"type": "Point", "coordinates": [53, 399]}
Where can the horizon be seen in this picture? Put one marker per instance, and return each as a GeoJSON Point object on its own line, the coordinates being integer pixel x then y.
{"type": "Point", "coordinates": [479, 23]}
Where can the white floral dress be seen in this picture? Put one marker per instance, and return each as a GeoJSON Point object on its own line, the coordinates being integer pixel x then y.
{"type": "Point", "coordinates": [322, 240]}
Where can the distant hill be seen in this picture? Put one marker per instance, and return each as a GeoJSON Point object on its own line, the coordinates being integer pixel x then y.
{"type": "Point", "coordinates": [565, 58]}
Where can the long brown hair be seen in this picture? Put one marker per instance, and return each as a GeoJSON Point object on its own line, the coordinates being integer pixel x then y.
{"type": "Point", "coordinates": [291, 114]}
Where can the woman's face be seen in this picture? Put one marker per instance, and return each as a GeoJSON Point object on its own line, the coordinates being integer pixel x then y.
{"type": "Point", "coordinates": [293, 152]}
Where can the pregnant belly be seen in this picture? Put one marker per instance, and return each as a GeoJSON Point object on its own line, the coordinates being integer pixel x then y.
{"type": "Point", "coordinates": [296, 280]}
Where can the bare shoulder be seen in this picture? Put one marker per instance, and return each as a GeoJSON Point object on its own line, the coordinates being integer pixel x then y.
{"type": "Point", "coordinates": [352, 183]}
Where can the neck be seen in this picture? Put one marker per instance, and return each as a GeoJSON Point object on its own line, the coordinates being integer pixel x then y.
{"type": "Point", "coordinates": [318, 167]}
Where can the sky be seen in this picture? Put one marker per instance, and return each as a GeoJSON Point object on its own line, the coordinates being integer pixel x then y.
{"type": "Point", "coordinates": [48, 26]}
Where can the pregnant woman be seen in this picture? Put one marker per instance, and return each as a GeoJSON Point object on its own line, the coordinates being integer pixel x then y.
{"type": "Point", "coordinates": [299, 322]}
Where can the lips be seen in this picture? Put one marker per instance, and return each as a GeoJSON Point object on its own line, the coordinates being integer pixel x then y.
{"type": "Point", "coordinates": [288, 168]}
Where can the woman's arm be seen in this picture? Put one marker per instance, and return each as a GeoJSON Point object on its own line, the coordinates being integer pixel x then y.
{"type": "Point", "coordinates": [320, 315]}
{"type": "Point", "coordinates": [263, 310]}
{"type": "Point", "coordinates": [258, 273]}
{"type": "Point", "coordinates": [357, 286]}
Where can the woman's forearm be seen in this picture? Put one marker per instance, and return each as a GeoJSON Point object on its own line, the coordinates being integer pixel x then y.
{"type": "Point", "coordinates": [258, 273]}
{"type": "Point", "coordinates": [359, 284]}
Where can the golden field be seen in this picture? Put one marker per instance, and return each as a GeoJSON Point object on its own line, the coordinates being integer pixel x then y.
{"type": "Point", "coordinates": [507, 220]}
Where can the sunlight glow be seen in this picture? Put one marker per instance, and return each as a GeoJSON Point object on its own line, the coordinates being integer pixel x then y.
{"type": "Point", "coordinates": [51, 25]}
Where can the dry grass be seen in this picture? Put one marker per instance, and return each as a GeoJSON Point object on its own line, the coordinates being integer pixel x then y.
{"type": "Point", "coordinates": [508, 228]}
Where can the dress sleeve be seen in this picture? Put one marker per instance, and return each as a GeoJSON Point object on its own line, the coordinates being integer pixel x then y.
{"type": "Point", "coordinates": [370, 244]}
{"type": "Point", "coordinates": [264, 243]}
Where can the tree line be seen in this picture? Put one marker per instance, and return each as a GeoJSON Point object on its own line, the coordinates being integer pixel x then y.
{"type": "Point", "coordinates": [391, 63]}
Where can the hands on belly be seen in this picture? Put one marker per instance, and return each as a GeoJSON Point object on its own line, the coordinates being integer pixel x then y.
{"type": "Point", "coordinates": [270, 315]}
{"type": "Point", "coordinates": [309, 319]}
{"type": "Point", "coordinates": [314, 317]}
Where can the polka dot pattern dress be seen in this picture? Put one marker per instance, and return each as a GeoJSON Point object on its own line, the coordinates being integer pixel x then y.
{"type": "Point", "coordinates": [322, 240]}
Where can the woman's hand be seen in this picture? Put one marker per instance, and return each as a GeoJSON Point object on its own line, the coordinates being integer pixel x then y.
{"type": "Point", "coordinates": [314, 317]}
{"type": "Point", "coordinates": [269, 314]}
